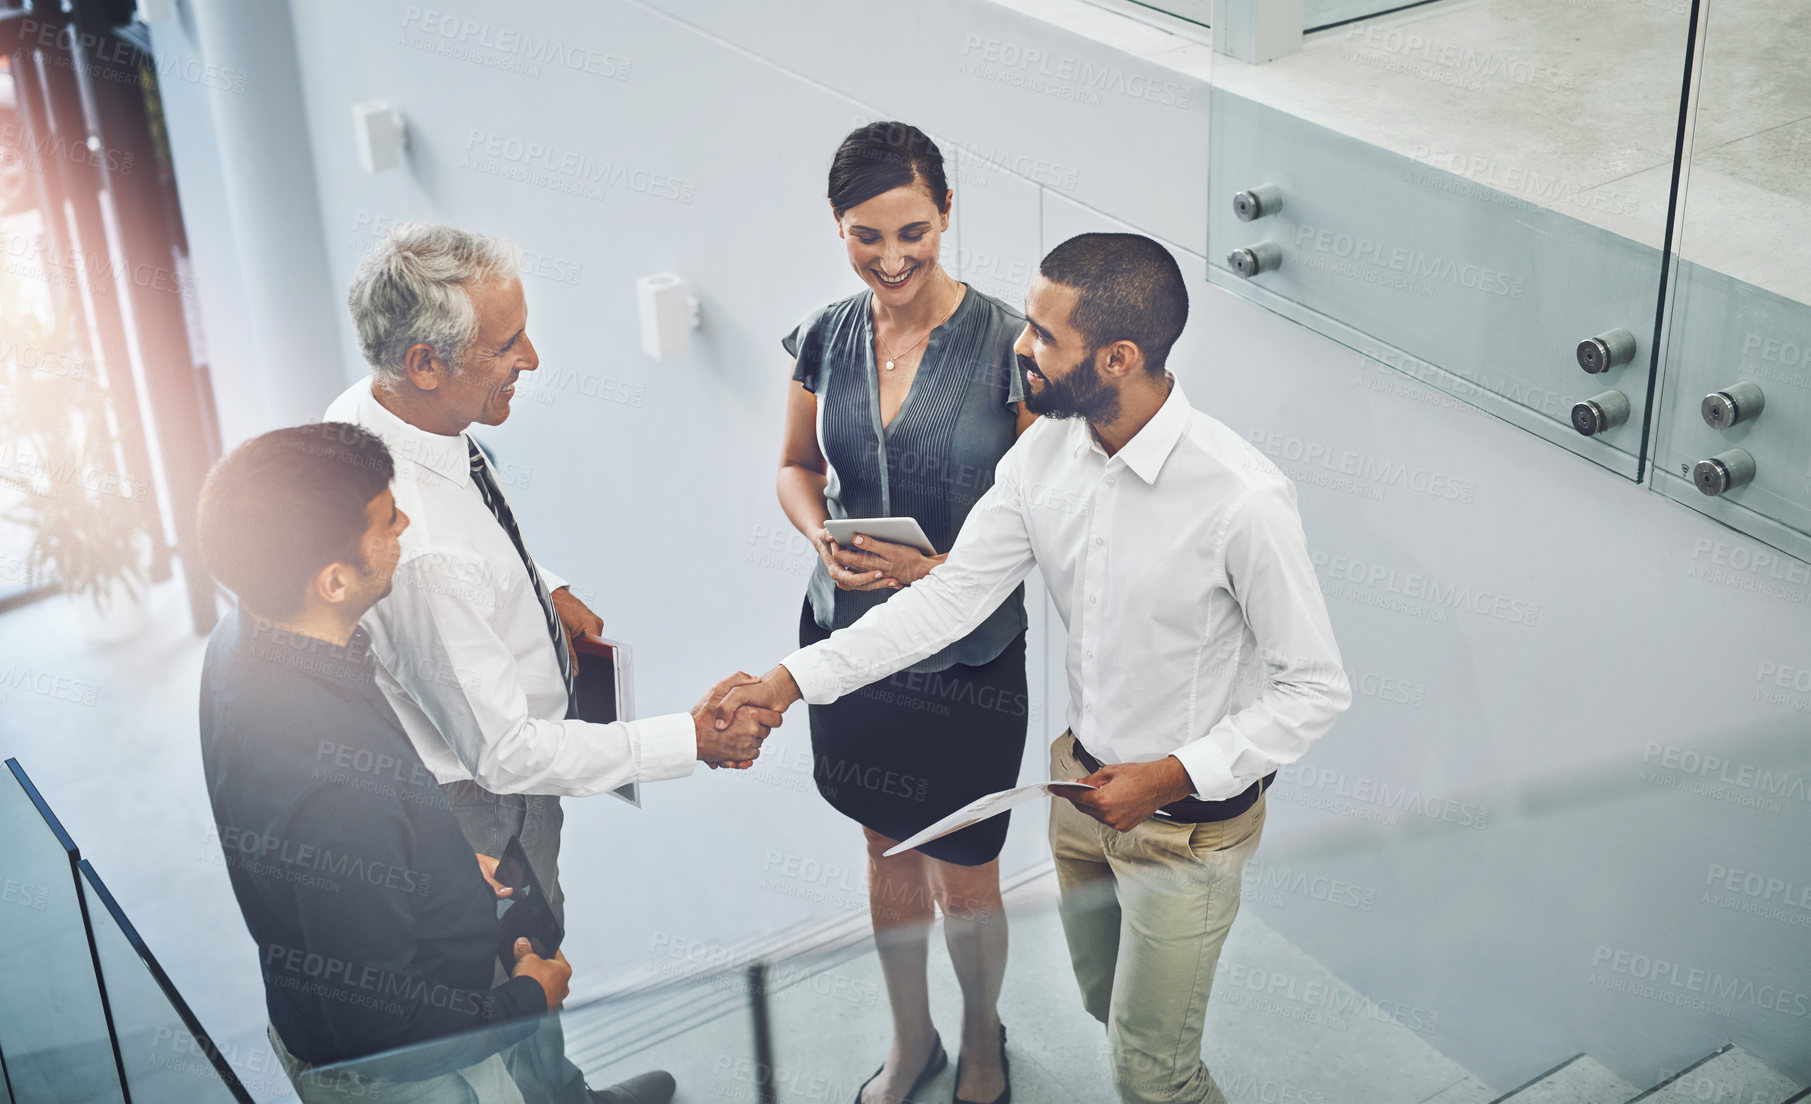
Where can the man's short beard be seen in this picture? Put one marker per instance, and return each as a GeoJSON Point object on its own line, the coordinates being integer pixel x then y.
{"type": "Point", "coordinates": [366, 573]}
{"type": "Point", "coordinates": [1081, 393]}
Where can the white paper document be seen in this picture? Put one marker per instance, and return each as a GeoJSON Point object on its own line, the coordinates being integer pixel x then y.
{"type": "Point", "coordinates": [981, 808]}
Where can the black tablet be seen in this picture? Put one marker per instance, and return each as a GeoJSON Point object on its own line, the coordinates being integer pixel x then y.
{"type": "Point", "coordinates": [525, 912]}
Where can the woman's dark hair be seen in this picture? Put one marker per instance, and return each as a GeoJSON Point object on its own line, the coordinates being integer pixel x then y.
{"type": "Point", "coordinates": [1128, 288]}
{"type": "Point", "coordinates": [880, 157]}
{"type": "Point", "coordinates": [285, 504]}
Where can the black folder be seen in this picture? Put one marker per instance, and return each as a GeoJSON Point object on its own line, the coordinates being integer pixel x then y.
{"type": "Point", "coordinates": [603, 690]}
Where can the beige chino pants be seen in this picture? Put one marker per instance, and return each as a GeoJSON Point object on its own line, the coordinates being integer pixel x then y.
{"type": "Point", "coordinates": [1146, 913]}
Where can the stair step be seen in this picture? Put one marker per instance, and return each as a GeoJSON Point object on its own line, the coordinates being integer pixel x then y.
{"type": "Point", "coordinates": [1582, 1080]}
{"type": "Point", "coordinates": [1467, 1091]}
{"type": "Point", "coordinates": [1731, 1074]}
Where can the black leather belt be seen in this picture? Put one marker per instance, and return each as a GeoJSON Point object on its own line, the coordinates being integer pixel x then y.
{"type": "Point", "coordinates": [1192, 810]}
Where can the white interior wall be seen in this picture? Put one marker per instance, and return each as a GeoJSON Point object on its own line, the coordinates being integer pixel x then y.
{"type": "Point", "coordinates": [651, 486]}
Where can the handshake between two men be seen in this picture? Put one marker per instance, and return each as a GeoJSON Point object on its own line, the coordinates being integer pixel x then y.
{"type": "Point", "coordinates": [737, 714]}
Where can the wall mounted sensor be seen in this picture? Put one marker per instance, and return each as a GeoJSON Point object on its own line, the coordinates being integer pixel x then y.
{"type": "Point", "coordinates": [381, 134]}
{"type": "Point", "coordinates": [155, 11]}
{"type": "Point", "coordinates": [669, 313]}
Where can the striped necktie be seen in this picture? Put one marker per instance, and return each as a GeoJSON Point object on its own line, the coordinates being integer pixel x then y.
{"type": "Point", "coordinates": [499, 507]}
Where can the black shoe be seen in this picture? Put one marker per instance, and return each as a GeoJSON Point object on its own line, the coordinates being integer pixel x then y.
{"type": "Point", "coordinates": [932, 1068]}
{"type": "Point", "coordinates": [653, 1087]}
{"type": "Point", "coordinates": [1005, 1069]}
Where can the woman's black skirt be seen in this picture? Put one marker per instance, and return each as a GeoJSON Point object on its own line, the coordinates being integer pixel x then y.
{"type": "Point", "coordinates": [906, 751]}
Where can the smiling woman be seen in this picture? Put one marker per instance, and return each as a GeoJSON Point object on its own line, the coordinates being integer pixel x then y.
{"type": "Point", "coordinates": [907, 395]}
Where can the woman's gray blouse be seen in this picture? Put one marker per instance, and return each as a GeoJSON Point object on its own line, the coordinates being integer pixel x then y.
{"type": "Point", "coordinates": [935, 459]}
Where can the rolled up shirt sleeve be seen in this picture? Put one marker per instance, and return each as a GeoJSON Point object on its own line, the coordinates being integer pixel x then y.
{"type": "Point", "coordinates": [1271, 576]}
{"type": "Point", "coordinates": [464, 678]}
{"type": "Point", "coordinates": [990, 558]}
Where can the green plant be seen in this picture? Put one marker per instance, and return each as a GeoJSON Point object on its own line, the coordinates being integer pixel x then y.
{"type": "Point", "coordinates": [57, 449]}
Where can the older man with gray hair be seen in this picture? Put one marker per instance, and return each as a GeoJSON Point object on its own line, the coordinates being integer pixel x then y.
{"type": "Point", "coordinates": [473, 644]}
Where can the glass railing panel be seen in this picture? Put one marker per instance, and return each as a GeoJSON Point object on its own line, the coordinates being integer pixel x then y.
{"type": "Point", "coordinates": [1734, 432]}
{"type": "Point", "coordinates": [53, 1017]}
{"type": "Point", "coordinates": [1278, 1024]}
{"type": "Point", "coordinates": [1392, 943]}
{"type": "Point", "coordinates": [1469, 194]}
{"type": "Point", "coordinates": [698, 1027]}
{"type": "Point", "coordinates": [167, 1057]}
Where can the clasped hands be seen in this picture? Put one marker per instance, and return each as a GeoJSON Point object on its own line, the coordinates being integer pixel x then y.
{"type": "Point", "coordinates": [736, 715]}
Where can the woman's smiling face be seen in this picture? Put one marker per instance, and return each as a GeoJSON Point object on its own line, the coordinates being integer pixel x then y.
{"type": "Point", "coordinates": [893, 241]}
